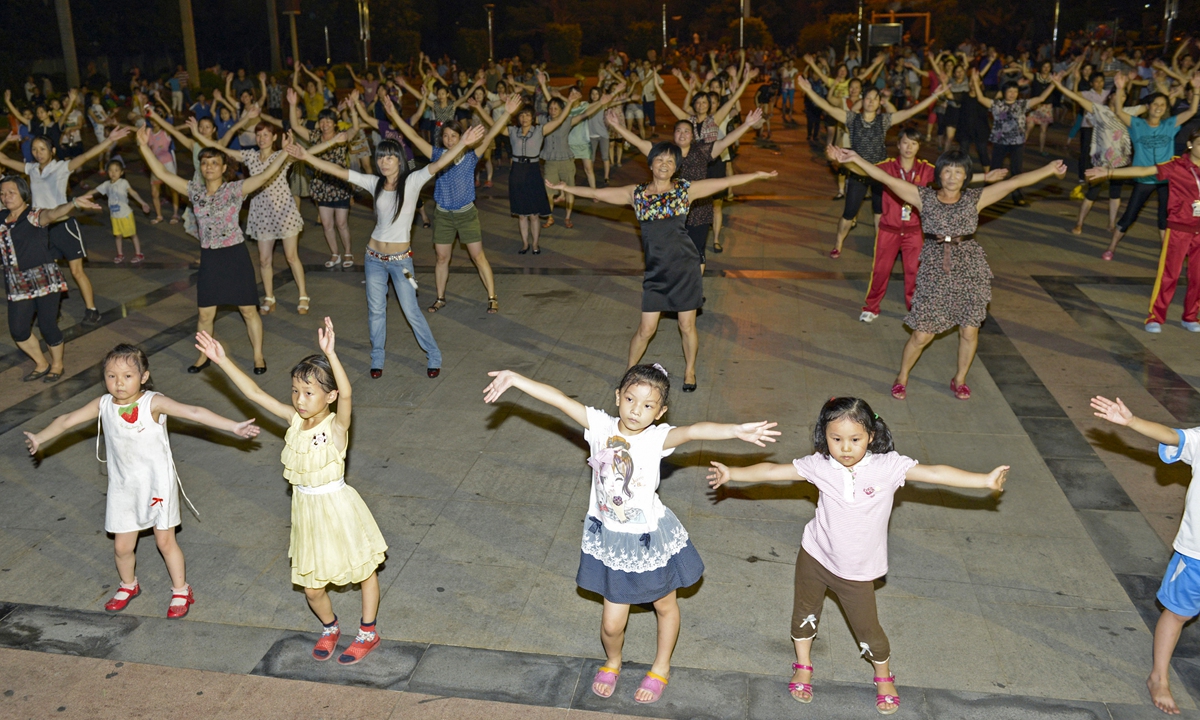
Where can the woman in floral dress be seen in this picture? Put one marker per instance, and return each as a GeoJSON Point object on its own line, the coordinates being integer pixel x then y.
{"type": "Point", "coordinates": [672, 279]}
{"type": "Point", "coordinates": [954, 282]}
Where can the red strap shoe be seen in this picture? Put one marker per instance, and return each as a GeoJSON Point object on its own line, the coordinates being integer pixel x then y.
{"type": "Point", "coordinates": [363, 644]}
{"type": "Point", "coordinates": [328, 642]}
{"type": "Point", "coordinates": [177, 610]}
{"type": "Point", "coordinates": [122, 598]}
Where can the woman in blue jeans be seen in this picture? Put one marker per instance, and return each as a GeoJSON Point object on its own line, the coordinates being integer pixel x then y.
{"type": "Point", "coordinates": [388, 253]}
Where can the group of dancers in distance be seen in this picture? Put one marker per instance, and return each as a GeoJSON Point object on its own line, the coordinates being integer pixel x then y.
{"type": "Point", "coordinates": [634, 550]}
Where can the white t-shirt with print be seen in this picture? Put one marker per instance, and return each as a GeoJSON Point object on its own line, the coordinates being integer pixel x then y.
{"type": "Point", "coordinates": [386, 230]}
{"type": "Point", "coordinates": [118, 197]}
{"type": "Point", "coordinates": [624, 486]}
{"type": "Point", "coordinates": [1187, 540]}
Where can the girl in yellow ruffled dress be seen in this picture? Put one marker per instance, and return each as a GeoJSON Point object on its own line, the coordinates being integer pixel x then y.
{"type": "Point", "coordinates": [335, 540]}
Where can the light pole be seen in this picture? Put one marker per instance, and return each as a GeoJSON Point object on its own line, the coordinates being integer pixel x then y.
{"type": "Point", "coordinates": [293, 9]}
{"type": "Point", "coordinates": [66, 32]}
{"type": "Point", "coordinates": [328, 56]}
{"type": "Point", "coordinates": [190, 59]}
{"type": "Point", "coordinates": [1170, 12]}
{"type": "Point", "coordinates": [742, 27]}
{"type": "Point", "coordinates": [364, 30]}
{"type": "Point", "coordinates": [1054, 39]}
{"type": "Point", "coordinates": [273, 29]}
{"type": "Point", "coordinates": [491, 53]}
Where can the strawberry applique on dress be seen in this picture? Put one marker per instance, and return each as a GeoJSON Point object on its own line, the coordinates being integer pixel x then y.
{"type": "Point", "coordinates": [129, 413]}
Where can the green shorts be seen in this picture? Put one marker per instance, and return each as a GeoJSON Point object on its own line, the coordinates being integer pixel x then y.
{"type": "Point", "coordinates": [560, 171]}
{"type": "Point", "coordinates": [580, 152]}
{"type": "Point", "coordinates": [464, 224]}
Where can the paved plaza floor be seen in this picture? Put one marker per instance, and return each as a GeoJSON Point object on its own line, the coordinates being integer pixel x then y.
{"type": "Point", "coordinates": [1039, 604]}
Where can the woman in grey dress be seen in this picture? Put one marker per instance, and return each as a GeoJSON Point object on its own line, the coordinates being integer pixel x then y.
{"type": "Point", "coordinates": [954, 282]}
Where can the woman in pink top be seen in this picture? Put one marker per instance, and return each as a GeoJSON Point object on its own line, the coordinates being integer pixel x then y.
{"type": "Point", "coordinates": [160, 144]}
{"type": "Point", "coordinates": [845, 545]}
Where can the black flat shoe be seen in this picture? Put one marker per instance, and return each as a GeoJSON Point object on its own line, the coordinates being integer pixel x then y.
{"type": "Point", "coordinates": [689, 387]}
{"type": "Point", "coordinates": [35, 375]}
{"type": "Point", "coordinates": [193, 369]}
{"type": "Point", "coordinates": [522, 251]}
{"type": "Point", "coordinates": [537, 251]}
{"type": "Point", "coordinates": [260, 369]}
{"type": "Point", "coordinates": [433, 372]}
{"type": "Point", "coordinates": [376, 373]}
{"type": "Point", "coordinates": [52, 377]}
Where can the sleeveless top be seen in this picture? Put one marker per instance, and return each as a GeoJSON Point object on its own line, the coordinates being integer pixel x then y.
{"type": "Point", "coordinates": [310, 457]}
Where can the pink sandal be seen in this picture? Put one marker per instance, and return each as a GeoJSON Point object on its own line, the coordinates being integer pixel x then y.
{"type": "Point", "coordinates": [793, 687]}
{"type": "Point", "coordinates": [654, 684]}
{"type": "Point", "coordinates": [606, 677]}
{"type": "Point", "coordinates": [881, 700]}
{"type": "Point", "coordinates": [899, 391]}
{"type": "Point", "coordinates": [962, 392]}
{"type": "Point", "coordinates": [835, 253]}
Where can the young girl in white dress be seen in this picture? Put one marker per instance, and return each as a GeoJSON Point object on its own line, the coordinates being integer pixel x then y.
{"type": "Point", "coordinates": [634, 550]}
{"type": "Point", "coordinates": [142, 483]}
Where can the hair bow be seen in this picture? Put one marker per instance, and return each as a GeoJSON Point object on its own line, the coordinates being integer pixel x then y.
{"type": "Point", "coordinates": [661, 369]}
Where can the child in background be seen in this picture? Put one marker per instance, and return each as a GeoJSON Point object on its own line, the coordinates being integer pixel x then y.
{"type": "Point", "coordinates": [635, 550]}
{"type": "Point", "coordinates": [335, 540]}
{"type": "Point", "coordinates": [844, 549]}
{"type": "Point", "coordinates": [118, 191]}
{"type": "Point", "coordinates": [142, 481]}
{"type": "Point", "coordinates": [1180, 589]}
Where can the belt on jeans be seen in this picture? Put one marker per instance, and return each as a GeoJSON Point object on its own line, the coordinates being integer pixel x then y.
{"type": "Point", "coordinates": [322, 489]}
{"type": "Point", "coordinates": [525, 160]}
{"type": "Point", "coordinates": [389, 257]}
{"type": "Point", "coordinates": [463, 209]}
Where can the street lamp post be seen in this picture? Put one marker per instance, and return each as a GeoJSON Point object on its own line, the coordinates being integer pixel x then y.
{"type": "Point", "coordinates": [66, 33]}
{"type": "Point", "coordinates": [273, 30]}
{"type": "Point", "coordinates": [742, 27]}
{"type": "Point", "coordinates": [1170, 12]}
{"type": "Point", "coordinates": [491, 53]}
{"type": "Point", "coordinates": [1054, 39]}
{"type": "Point", "coordinates": [364, 30]}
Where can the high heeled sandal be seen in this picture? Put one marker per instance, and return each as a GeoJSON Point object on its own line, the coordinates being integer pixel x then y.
{"type": "Point", "coordinates": [267, 306]}
{"type": "Point", "coordinates": [794, 687]}
{"type": "Point", "coordinates": [302, 306]}
{"type": "Point", "coordinates": [348, 261]}
{"type": "Point", "coordinates": [333, 261]}
{"type": "Point", "coordinates": [437, 305]}
{"type": "Point", "coordinates": [881, 700]}
{"type": "Point", "coordinates": [493, 305]}
{"type": "Point", "coordinates": [962, 392]}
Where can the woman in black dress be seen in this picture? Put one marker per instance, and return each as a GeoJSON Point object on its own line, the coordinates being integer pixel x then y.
{"type": "Point", "coordinates": [672, 280]}
{"type": "Point", "coordinates": [226, 275]}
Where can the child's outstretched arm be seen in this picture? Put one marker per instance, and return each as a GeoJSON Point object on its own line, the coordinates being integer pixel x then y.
{"type": "Point", "coordinates": [213, 350]}
{"type": "Point", "coordinates": [753, 432]}
{"type": "Point", "coordinates": [954, 477]}
{"type": "Point", "coordinates": [1116, 412]}
{"type": "Point", "coordinates": [61, 424]}
{"type": "Point", "coordinates": [504, 379]}
{"type": "Point", "coordinates": [204, 416]}
{"type": "Point", "coordinates": [325, 339]}
{"type": "Point", "coordinates": [719, 473]}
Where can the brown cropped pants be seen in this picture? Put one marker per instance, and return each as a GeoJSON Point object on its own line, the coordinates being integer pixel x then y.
{"type": "Point", "coordinates": [856, 596]}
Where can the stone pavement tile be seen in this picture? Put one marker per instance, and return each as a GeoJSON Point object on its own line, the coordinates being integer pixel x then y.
{"type": "Point", "coordinates": [196, 645]}
{"type": "Point", "coordinates": [976, 706]}
{"type": "Point", "coordinates": [416, 706]}
{"type": "Point", "coordinates": [776, 502]}
{"type": "Point", "coordinates": [524, 479]}
{"type": "Point", "coordinates": [41, 685]}
{"type": "Point", "coordinates": [744, 549]}
{"type": "Point", "coordinates": [1153, 486]}
{"type": "Point", "coordinates": [1057, 572]}
{"type": "Point", "coordinates": [755, 639]}
{"type": "Point", "coordinates": [517, 533]}
{"type": "Point", "coordinates": [1127, 542]}
{"type": "Point", "coordinates": [62, 631]}
{"type": "Point", "coordinates": [456, 603]}
{"type": "Point", "coordinates": [1118, 711]}
{"type": "Point", "coordinates": [1089, 485]}
{"type": "Point", "coordinates": [561, 618]}
{"type": "Point", "coordinates": [1070, 653]}
{"type": "Point", "coordinates": [440, 430]}
{"type": "Point", "coordinates": [398, 470]}
{"type": "Point", "coordinates": [1057, 438]}
{"type": "Point", "coordinates": [690, 693]}
{"type": "Point", "coordinates": [545, 680]}
{"type": "Point", "coordinates": [1164, 525]}
{"type": "Point", "coordinates": [404, 521]}
{"type": "Point", "coordinates": [388, 667]}
{"type": "Point", "coordinates": [921, 554]}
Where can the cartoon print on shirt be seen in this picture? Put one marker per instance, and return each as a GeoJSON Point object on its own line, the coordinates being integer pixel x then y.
{"type": "Point", "coordinates": [613, 476]}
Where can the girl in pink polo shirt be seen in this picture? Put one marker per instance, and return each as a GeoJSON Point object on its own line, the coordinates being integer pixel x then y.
{"type": "Point", "coordinates": [845, 545]}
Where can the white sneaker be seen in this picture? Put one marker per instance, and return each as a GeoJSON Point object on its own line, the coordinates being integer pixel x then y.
{"type": "Point", "coordinates": [1191, 326]}
{"type": "Point", "coordinates": [867, 316]}
{"type": "Point", "coordinates": [1153, 327]}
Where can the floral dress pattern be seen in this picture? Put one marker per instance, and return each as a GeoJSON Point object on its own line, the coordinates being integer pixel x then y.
{"type": "Point", "coordinates": [273, 214]}
{"type": "Point", "coordinates": [954, 281]}
{"type": "Point", "coordinates": [327, 188]}
{"type": "Point", "coordinates": [32, 282]}
{"type": "Point", "coordinates": [672, 281]}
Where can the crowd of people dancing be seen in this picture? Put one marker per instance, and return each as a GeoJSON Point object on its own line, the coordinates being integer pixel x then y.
{"type": "Point", "coordinates": [262, 146]}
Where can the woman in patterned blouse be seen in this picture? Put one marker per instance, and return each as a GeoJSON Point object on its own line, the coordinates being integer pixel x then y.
{"type": "Point", "coordinates": [226, 274]}
{"type": "Point", "coordinates": [32, 281]}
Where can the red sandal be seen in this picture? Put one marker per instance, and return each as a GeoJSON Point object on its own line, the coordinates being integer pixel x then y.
{"type": "Point", "coordinates": [794, 687]}
{"type": "Point", "coordinates": [962, 392]}
{"type": "Point", "coordinates": [174, 612]}
{"type": "Point", "coordinates": [122, 598]}
{"type": "Point", "coordinates": [899, 391]}
{"type": "Point", "coordinates": [881, 700]}
{"type": "Point", "coordinates": [328, 642]}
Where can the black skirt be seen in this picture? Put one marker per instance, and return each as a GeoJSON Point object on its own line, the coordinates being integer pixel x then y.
{"type": "Point", "coordinates": [226, 277]}
{"type": "Point", "coordinates": [672, 281]}
{"type": "Point", "coordinates": [527, 190]}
